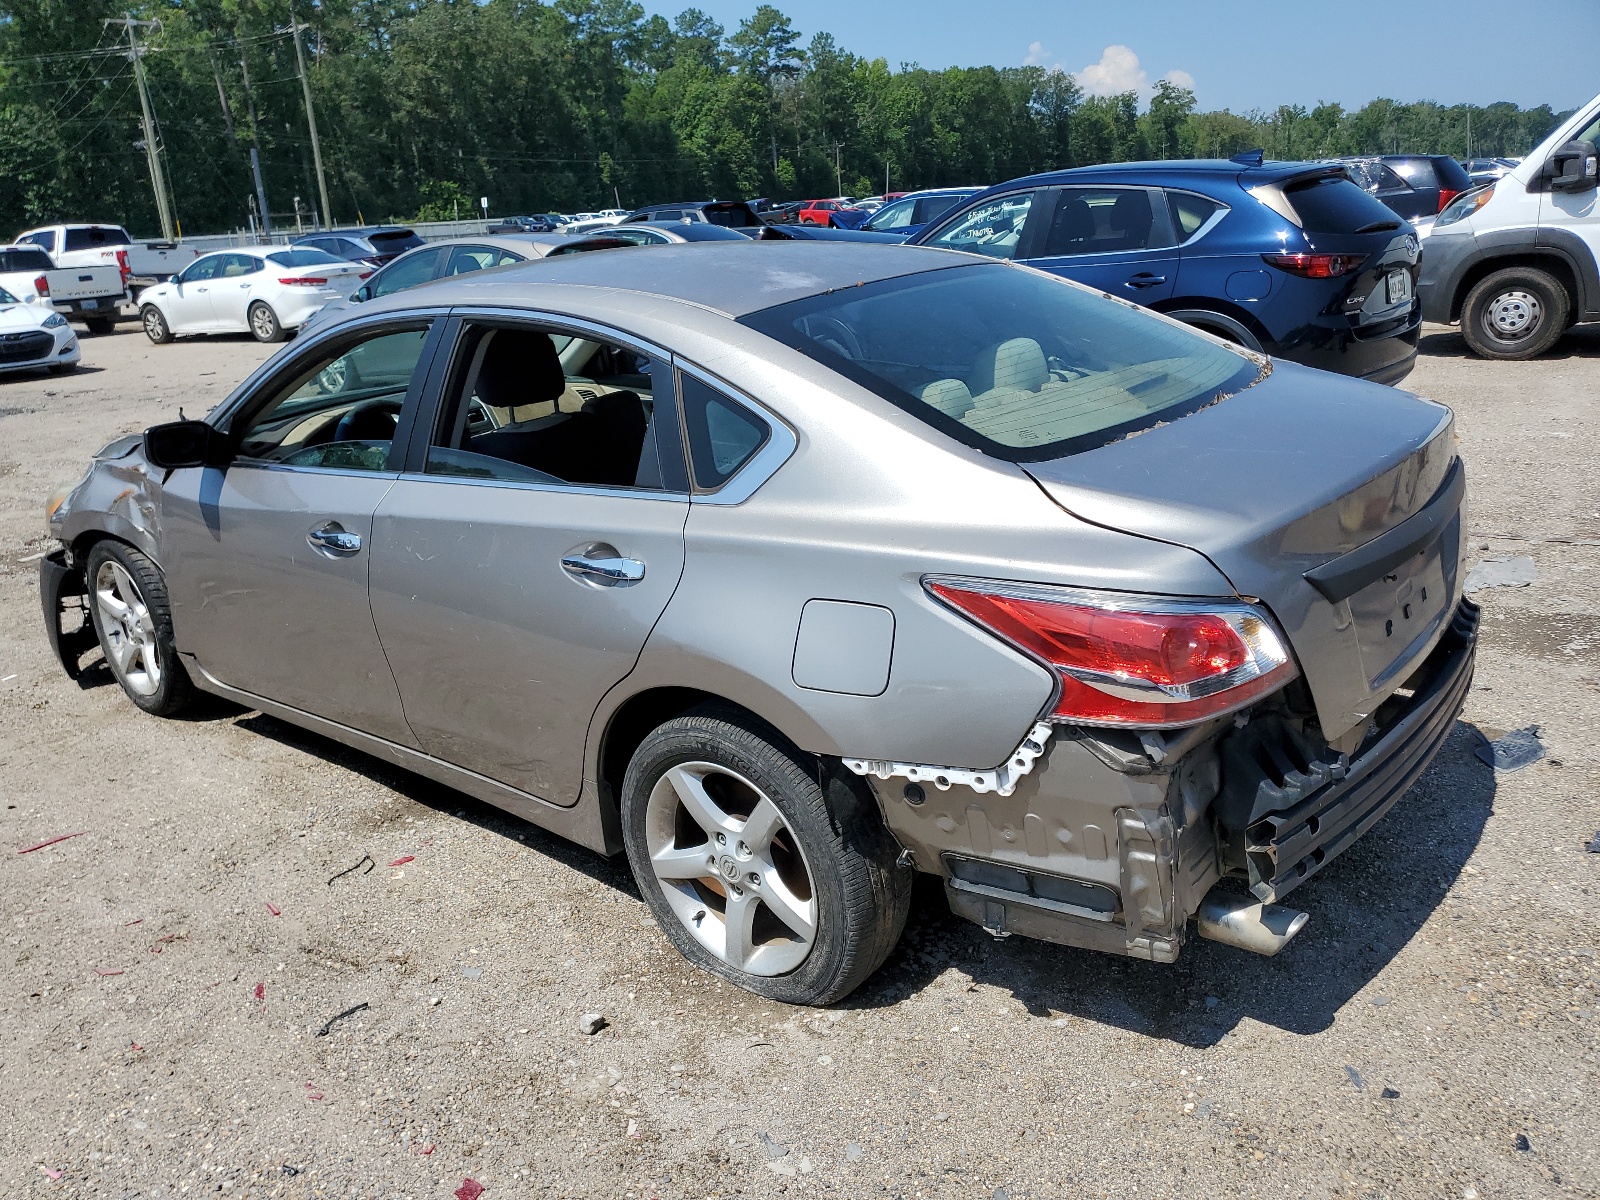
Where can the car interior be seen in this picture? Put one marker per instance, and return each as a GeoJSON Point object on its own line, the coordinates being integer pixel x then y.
{"type": "Point", "coordinates": [523, 408]}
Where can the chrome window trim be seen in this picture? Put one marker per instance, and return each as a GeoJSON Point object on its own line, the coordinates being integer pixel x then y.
{"type": "Point", "coordinates": [575, 489]}
{"type": "Point", "coordinates": [257, 464]}
{"type": "Point", "coordinates": [761, 466]}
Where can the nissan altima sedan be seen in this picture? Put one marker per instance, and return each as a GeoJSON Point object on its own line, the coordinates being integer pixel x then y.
{"type": "Point", "coordinates": [791, 569]}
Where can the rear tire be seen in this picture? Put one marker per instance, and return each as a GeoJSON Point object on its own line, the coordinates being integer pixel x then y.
{"type": "Point", "coordinates": [100, 326]}
{"type": "Point", "coordinates": [1515, 313]}
{"type": "Point", "coordinates": [722, 820]}
{"type": "Point", "coordinates": [133, 620]}
{"type": "Point", "coordinates": [155, 325]}
{"type": "Point", "coordinates": [264, 323]}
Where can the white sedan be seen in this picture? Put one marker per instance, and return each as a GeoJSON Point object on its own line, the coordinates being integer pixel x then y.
{"type": "Point", "coordinates": [259, 291]}
{"type": "Point", "coordinates": [32, 337]}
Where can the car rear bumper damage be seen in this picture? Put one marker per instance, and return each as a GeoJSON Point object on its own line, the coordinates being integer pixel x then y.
{"type": "Point", "coordinates": [1115, 841]}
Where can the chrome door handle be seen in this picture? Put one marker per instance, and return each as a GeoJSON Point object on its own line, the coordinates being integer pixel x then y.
{"type": "Point", "coordinates": [332, 541]}
{"type": "Point", "coordinates": [1145, 279]}
{"type": "Point", "coordinates": [604, 570]}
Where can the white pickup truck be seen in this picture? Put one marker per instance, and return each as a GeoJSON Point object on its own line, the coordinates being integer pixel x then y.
{"type": "Point", "coordinates": [93, 295]}
{"type": "Point", "coordinates": [141, 263]}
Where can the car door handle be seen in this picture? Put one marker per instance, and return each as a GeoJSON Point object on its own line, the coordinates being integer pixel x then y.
{"type": "Point", "coordinates": [1145, 279]}
{"type": "Point", "coordinates": [602, 566]}
{"type": "Point", "coordinates": [333, 541]}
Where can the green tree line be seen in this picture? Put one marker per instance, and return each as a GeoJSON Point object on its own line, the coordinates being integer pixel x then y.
{"type": "Point", "coordinates": [425, 105]}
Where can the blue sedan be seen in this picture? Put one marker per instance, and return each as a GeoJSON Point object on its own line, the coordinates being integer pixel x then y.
{"type": "Point", "coordinates": [907, 215]}
{"type": "Point", "coordinates": [1292, 259]}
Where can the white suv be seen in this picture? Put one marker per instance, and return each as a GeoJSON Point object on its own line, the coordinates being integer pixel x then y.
{"type": "Point", "coordinates": [1517, 263]}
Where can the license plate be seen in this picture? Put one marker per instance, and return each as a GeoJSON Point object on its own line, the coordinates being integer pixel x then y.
{"type": "Point", "coordinates": [1398, 286]}
{"type": "Point", "coordinates": [91, 304]}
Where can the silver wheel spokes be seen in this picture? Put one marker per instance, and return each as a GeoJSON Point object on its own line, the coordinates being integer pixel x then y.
{"type": "Point", "coordinates": [731, 868]}
{"type": "Point", "coordinates": [1512, 314]}
{"type": "Point", "coordinates": [152, 324]}
{"type": "Point", "coordinates": [130, 633]}
{"type": "Point", "coordinates": [262, 320]}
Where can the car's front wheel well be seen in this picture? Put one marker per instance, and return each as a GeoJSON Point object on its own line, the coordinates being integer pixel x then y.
{"type": "Point", "coordinates": [1553, 265]}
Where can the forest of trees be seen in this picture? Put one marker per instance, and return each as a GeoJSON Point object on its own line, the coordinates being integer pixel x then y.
{"type": "Point", "coordinates": [425, 105]}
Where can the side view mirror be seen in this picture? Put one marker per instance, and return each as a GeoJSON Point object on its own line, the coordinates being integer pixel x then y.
{"type": "Point", "coordinates": [1574, 168]}
{"type": "Point", "coordinates": [169, 279]}
{"type": "Point", "coordinates": [183, 444]}
{"type": "Point", "coordinates": [362, 293]}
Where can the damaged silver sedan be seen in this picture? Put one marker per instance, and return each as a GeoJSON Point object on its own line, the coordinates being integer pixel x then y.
{"type": "Point", "coordinates": [790, 569]}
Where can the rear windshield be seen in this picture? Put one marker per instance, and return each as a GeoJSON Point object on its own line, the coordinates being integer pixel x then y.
{"type": "Point", "coordinates": [1332, 204]}
{"type": "Point", "coordinates": [734, 216]}
{"type": "Point", "coordinates": [394, 243]}
{"type": "Point", "coordinates": [97, 236]}
{"type": "Point", "coordinates": [25, 260]}
{"type": "Point", "coordinates": [1017, 363]}
{"type": "Point", "coordinates": [303, 258]}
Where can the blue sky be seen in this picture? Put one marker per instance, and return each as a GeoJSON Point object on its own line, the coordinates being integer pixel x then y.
{"type": "Point", "coordinates": [1241, 54]}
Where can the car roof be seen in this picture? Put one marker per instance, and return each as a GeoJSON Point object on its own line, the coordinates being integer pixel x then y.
{"type": "Point", "coordinates": [731, 278]}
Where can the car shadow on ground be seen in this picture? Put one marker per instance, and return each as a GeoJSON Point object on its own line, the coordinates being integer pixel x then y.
{"type": "Point", "coordinates": [1364, 909]}
{"type": "Point", "coordinates": [45, 374]}
{"type": "Point", "coordinates": [421, 790]}
{"type": "Point", "coordinates": [1581, 341]}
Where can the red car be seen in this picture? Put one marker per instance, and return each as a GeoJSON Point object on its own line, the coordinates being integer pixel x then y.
{"type": "Point", "coordinates": [818, 212]}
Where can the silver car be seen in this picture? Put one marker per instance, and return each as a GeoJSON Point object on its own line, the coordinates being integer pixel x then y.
{"type": "Point", "coordinates": [792, 569]}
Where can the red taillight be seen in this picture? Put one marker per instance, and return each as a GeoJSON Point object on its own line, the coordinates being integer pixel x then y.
{"type": "Point", "coordinates": [1317, 266]}
{"type": "Point", "coordinates": [1445, 196]}
{"type": "Point", "coordinates": [122, 265]}
{"type": "Point", "coordinates": [1132, 660]}
{"type": "Point", "coordinates": [365, 275]}
{"type": "Point", "coordinates": [304, 281]}
{"type": "Point", "coordinates": [42, 286]}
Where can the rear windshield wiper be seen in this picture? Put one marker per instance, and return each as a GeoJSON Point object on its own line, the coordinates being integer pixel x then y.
{"type": "Point", "coordinates": [1377, 227]}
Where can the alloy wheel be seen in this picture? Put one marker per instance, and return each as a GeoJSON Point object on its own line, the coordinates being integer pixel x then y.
{"type": "Point", "coordinates": [1513, 314]}
{"type": "Point", "coordinates": [731, 868]}
{"type": "Point", "coordinates": [263, 323]}
{"type": "Point", "coordinates": [130, 633]}
{"type": "Point", "coordinates": [154, 327]}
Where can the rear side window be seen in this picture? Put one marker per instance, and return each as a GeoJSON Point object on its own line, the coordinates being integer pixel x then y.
{"type": "Point", "coordinates": [1102, 221]}
{"type": "Point", "coordinates": [1189, 212]}
{"type": "Point", "coordinates": [734, 216]}
{"type": "Point", "coordinates": [95, 237]}
{"type": "Point", "coordinates": [666, 214]}
{"type": "Point", "coordinates": [1332, 204]}
{"type": "Point", "coordinates": [24, 260]}
{"type": "Point", "coordinates": [723, 436]}
{"type": "Point", "coordinates": [1418, 172]}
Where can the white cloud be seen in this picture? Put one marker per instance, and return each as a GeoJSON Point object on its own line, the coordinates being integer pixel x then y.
{"type": "Point", "coordinates": [1182, 78]}
{"type": "Point", "coordinates": [1117, 71]}
{"type": "Point", "coordinates": [1037, 55]}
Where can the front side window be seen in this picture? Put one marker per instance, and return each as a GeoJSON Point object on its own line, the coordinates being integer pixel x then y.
{"type": "Point", "coordinates": [993, 228]}
{"type": "Point", "coordinates": [531, 405]}
{"type": "Point", "coordinates": [202, 269]}
{"type": "Point", "coordinates": [45, 240]}
{"type": "Point", "coordinates": [1102, 221]}
{"type": "Point", "coordinates": [339, 410]}
{"type": "Point", "coordinates": [1019, 364]}
{"type": "Point", "coordinates": [406, 273]}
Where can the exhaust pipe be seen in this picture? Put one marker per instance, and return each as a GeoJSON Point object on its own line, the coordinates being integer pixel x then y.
{"type": "Point", "coordinates": [1245, 922]}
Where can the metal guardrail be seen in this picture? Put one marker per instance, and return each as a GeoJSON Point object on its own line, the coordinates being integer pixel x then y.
{"type": "Point", "coordinates": [430, 231]}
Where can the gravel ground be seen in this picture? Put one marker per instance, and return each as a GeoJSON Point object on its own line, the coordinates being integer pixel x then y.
{"type": "Point", "coordinates": [168, 974]}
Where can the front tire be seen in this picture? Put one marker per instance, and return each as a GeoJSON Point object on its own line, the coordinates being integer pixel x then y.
{"type": "Point", "coordinates": [155, 325]}
{"type": "Point", "coordinates": [754, 872]}
{"type": "Point", "coordinates": [1515, 313]}
{"type": "Point", "coordinates": [264, 323]}
{"type": "Point", "coordinates": [133, 620]}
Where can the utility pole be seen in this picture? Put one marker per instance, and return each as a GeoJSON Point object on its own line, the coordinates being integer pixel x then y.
{"type": "Point", "coordinates": [838, 172]}
{"type": "Point", "coordinates": [255, 153]}
{"type": "Point", "coordinates": [158, 179]}
{"type": "Point", "coordinates": [311, 119]}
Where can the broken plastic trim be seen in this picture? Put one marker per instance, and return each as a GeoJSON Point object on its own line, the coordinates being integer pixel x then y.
{"type": "Point", "coordinates": [1001, 780]}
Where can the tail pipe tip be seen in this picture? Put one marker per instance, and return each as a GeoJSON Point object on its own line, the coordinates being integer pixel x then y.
{"type": "Point", "coordinates": [1247, 923]}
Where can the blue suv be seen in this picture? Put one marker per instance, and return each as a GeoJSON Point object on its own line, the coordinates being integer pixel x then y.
{"type": "Point", "coordinates": [1292, 259]}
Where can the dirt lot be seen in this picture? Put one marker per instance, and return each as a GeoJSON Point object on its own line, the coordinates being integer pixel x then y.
{"type": "Point", "coordinates": [166, 974]}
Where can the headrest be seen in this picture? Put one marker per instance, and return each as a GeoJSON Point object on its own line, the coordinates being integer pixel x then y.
{"type": "Point", "coordinates": [1072, 224]}
{"type": "Point", "coordinates": [1017, 365]}
{"type": "Point", "coordinates": [520, 367]}
{"type": "Point", "coordinates": [949, 396]}
{"type": "Point", "coordinates": [1131, 217]}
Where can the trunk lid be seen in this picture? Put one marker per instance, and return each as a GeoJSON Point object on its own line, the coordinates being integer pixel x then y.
{"type": "Point", "coordinates": [1285, 477]}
